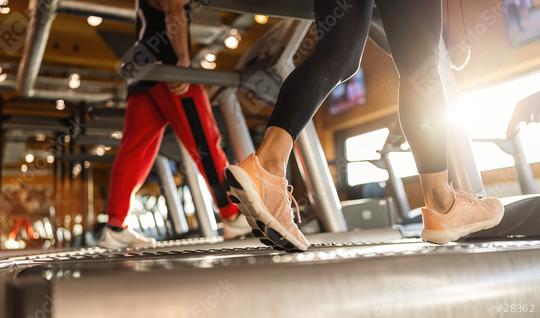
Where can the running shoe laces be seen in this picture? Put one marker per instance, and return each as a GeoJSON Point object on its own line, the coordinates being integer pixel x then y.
{"type": "Point", "coordinates": [466, 196]}
{"type": "Point", "coordinates": [292, 201]}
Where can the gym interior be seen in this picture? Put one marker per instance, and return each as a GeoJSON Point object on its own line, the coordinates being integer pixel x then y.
{"type": "Point", "coordinates": [63, 100]}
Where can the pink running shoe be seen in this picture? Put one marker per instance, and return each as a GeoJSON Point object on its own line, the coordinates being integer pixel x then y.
{"type": "Point", "coordinates": [468, 215]}
{"type": "Point", "coordinates": [265, 200]}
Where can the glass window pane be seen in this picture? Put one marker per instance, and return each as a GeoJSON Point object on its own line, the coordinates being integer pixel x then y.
{"type": "Point", "coordinates": [485, 113]}
{"type": "Point", "coordinates": [489, 156]}
{"type": "Point", "coordinates": [530, 138]}
{"type": "Point", "coordinates": [403, 164]}
{"type": "Point", "coordinates": [365, 146]}
{"type": "Point", "coordinates": [364, 172]}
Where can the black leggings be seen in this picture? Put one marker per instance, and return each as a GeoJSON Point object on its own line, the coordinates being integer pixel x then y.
{"type": "Point", "coordinates": [413, 29]}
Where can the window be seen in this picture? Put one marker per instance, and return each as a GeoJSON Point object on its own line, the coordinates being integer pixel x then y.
{"type": "Point", "coordinates": [403, 164]}
{"type": "Point", "coordinates": [362, 148]}
{"type": "Point", "coordinates": [365, 147]}
{"type": "Point", "coordinates": [485, 114]}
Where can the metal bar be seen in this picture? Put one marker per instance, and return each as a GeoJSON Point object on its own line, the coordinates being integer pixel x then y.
{"type": "Point", "coordinates": [298, 9]}
{"type": "Point", "coordinates": [318, 180]}
{"type": "Point", "coordinates": [74, 96]}
{"type": "Point", "coordinates": [87, 140]}
{"type": "Point", "coordinates": [42, 13]}
{"type": "Point", "coordinates": [71, 157]}
{"type": "Point", "coordinates": [237, 128]}
{"type": "Point", "coordinates": [87, 174]}
{"type": "Point", "coordinates": [285, 64]}
{"type": "Point", "coordinates": [108, 113]}
{"type": "Point", "coordinates": [526, 180]}
{"type": "Point", "coordinates": [55, 166]}
{"type": "Point", "coordinates": [203, 206]}
{"type": "Point", "coordinates": [168, 73]}
{"type": "Point", "coordinates": [461, 164]}
{"type": "Point", "coordinates": [400, 195]}
{"type": "Point", "coordinates": [34, 123]}
{"type": "Point", "coordinates": [106, 12]}
{"type": "Point", "coordinates": [176, 212]}
{"type": "Point", "coordinates": [62, 92]}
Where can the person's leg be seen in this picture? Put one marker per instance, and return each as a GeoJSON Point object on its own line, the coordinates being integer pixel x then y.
{"type": "Point", "coordinates": [413, 29]}
{"type": "Point", "coordinates": [143, 132]}
{"type": "Point", "coordinates": [258, 182]}
{"type": "Point", "coordinates": [191, 117]}
{"type": "Point", "coordinates": [342, 31]}
{"type": "Point", "coordinates": [140, 143]}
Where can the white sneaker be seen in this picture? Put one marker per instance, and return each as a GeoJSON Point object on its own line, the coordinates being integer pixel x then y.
{"type": "Point", "coordinates": [125, 238]}
{"type": "Point", "coordinates": [236, 228]}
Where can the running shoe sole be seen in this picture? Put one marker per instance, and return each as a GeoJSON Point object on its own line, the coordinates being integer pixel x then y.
{"type": "Point", "coordinates": [266, 228]}
{"type": "Point", "coordinates": [447, 236]}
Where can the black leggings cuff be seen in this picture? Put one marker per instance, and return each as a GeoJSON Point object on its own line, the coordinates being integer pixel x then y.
{"type": "Point", "coordinates": [294, 136]}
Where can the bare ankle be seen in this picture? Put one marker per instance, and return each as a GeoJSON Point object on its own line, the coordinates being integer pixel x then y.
{"type": "Point", "coordinates": [275, 167]}
{"type": "Point", "coordinates": [439, 199]}
{"type": "Point", "coordinates": [275, 150]}
{"type": "Point", "coordinates": [438, 194]}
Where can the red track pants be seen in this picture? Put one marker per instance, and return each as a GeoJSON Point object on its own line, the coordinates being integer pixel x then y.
{"type": "Point", "coordinates": [148, 112]}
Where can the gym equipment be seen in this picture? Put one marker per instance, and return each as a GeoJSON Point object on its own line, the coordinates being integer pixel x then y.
{"type": "Point", "coordinates": [176, 212]}
{"type": "Point", "coordinates": [395, 209]}
{"type": "Point", "coordinates": [208, 277]}
{"type": "Point", "coordinates": [368, 213]}
{"type": "Point", "coordinates": [463, 171]}
{"type": "Point", "coordinates": [218, 279]}
{"type": "Point", "coordinates": [316, 174]}
{"type": "Point", "coordinates": [393, 144]}
{"type": "Point", "coordinates": [526, 111]}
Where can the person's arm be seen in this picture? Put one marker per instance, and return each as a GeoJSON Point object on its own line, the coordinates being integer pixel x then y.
{"type": "Point", "coordinates": [176, 21]}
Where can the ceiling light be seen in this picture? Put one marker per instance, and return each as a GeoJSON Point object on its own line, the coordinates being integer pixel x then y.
{"type": "Point", "coordinates": [74, 81]}
{"type": "Point", "coordinates": [99, 151]}
{"type": "Point", "coordinates": [77, 169]}
{"type": "Point", "coordinates": [29, 158]}
{"type": "Point", "coordinates": [210, 57]}
{"type": "Point", "coordinates": [4, 2]}
{"type": "Point", "coordinates": [50, 159]}
{"type": "Point", "coordinates": [94, 20]}
{"type": "Point", "coordinates": [60, 104]}
{"type": "Point", "coordinates": [261, 19]}
{"type": "Point", "coordinates": [233, 40]}
{"type": "Point", "coordinates": [208, 65]}
{"type": "Point", "coordinates": [116, 135]}
{"type": "Point", "coordinates": [3, 75]}
{"type": "Point", "coordinates": [41, 137]}
{"type": "Point", "coordinates": [5, 10]}
{"type": "Point", "coordinates": [24, 168]}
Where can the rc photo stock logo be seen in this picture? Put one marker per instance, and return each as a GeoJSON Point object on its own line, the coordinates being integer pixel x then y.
{"type": "Point", "coordinates": [136, 63]}
{"type": "Point", "coordinates": [261, 86]}
{"type": "Point", "coordinates": [12, 33]}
